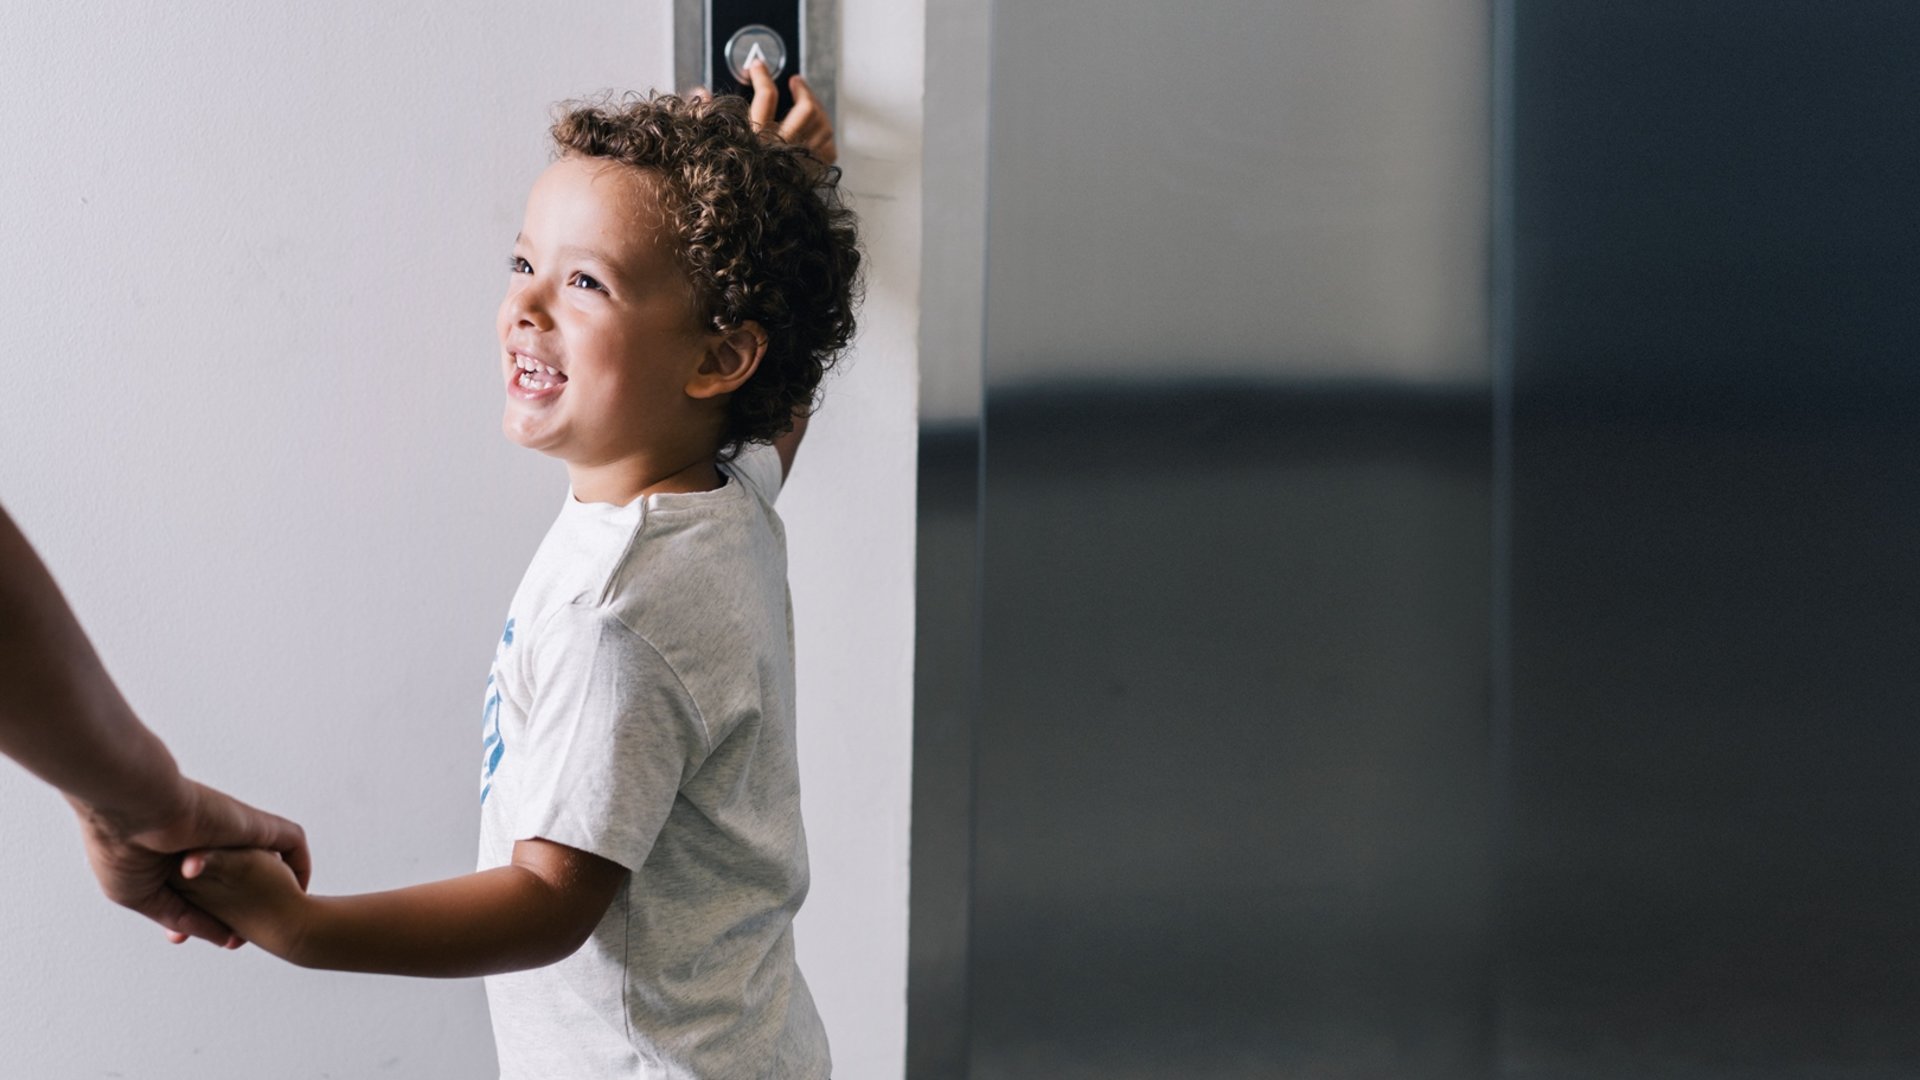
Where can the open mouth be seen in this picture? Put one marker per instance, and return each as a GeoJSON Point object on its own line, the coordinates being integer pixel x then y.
{"type": "Point", "coordinates": [535, 376]}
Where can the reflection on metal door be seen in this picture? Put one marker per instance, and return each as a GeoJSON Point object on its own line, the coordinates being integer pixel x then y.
{"type": "Point", "coordinates": [1428, 590]}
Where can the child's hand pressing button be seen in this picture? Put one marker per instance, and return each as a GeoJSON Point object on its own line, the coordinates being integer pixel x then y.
{"type": "Point", "coordinates": [806, 124]}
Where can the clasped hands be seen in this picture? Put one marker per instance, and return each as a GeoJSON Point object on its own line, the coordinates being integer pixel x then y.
{"type": "Point", "coordinates": [158, 862]}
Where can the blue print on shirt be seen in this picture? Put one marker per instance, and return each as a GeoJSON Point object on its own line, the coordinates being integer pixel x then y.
{"type": "Point", "coordinates": [491, 747]}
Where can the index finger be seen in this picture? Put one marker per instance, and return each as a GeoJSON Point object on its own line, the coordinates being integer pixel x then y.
{"type": "Point", "coordinates": [183, 919]}
{"type": "Point", "coordinates": [227, 822]}
{"type": "Point", "coordinates": [766, 96]}
{"type": "Point", "coordinates": [802, 93]}
{"type": "Point", "coordinates": [277, 834]}
{"type": "Point", "coordinates": [298, 857]}
{"type": "Point", "coordinates": [194, 922]}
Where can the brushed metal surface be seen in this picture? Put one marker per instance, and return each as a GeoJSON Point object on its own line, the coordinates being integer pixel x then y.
{"type": "Point", "coordinates": [947, 645]}
{"type": "Point", "coordinates": [1527, 692]}
{"type": "Point", "coordinates": [1230, 770]}
{"type": "Point", "coordinates": [1715, 867]}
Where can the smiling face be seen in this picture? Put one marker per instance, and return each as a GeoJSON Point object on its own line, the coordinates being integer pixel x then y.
{"type": "Point", "coordinates": [600, 342]}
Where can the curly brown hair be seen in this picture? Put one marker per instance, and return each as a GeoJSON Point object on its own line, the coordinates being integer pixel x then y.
{"type": "Point", "coordinates": [760, 228]}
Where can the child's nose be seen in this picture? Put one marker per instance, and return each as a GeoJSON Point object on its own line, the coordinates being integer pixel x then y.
{"type": "Point", "coordinates": [528, 307]}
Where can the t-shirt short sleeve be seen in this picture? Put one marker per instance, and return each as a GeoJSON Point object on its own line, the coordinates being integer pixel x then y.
{"type": "Point", "coordinates": [759, 465]}
{"type": "Point", "coordinates": [611, 736]}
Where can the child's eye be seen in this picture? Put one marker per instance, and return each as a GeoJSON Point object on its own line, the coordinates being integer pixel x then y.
{"type": "Point", "coordinates": [519, 265]}
{"type": "Point", "coordinates": [586, 281]}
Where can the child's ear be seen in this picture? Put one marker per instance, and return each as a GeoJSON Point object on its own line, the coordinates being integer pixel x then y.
{"type": "Point", "coordinates": [733, 355]}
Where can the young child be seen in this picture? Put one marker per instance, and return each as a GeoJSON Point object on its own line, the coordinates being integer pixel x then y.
{"type": "Point", "coordinates": [679, 286]}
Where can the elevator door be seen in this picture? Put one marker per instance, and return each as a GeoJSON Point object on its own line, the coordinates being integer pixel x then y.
{"type": "Point", "coordinates": [1441, 545]}
{"type": "Point", "coordinates": [1715, 858]}
{"type": "Point", "coordinates": [1231, 790]}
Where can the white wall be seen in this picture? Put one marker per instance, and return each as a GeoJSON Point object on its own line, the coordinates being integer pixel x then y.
{"type": "Point", "coordinates": [250, 420]}
{"type": "Point", "coordinates": [849, 510]}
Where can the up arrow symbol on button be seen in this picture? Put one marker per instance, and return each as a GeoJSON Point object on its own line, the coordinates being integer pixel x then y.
{"type": "Point", "coordinates": [755, 42]}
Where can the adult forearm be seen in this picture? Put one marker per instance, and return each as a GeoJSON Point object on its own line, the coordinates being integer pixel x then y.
{"type": "Point", "coordinates": [60, 714]}
{"type": "Point", "coordinates": [505, 919]}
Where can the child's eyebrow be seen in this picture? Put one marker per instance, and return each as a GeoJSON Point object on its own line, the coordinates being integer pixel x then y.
{"type": "Point", "coordinates": [614, 269]}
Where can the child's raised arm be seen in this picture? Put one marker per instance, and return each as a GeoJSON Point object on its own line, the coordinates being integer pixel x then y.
{"type": "Point", "coordinates": [788, 445]}
{"type": "Point", "coordinates": [535, 911]}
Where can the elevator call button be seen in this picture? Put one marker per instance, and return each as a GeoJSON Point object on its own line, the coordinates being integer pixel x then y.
{"type": "Point", "coordinates": [755, 42]}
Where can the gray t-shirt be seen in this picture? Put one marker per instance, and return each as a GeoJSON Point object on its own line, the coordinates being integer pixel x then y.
{"type": "Point", "coordinates": [641, 709]}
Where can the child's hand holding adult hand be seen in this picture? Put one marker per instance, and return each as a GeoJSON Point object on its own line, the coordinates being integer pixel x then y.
{"type": "Point", "coordinates": [134, 853]}
{"type": "Point", "coordinates": [252, 890]}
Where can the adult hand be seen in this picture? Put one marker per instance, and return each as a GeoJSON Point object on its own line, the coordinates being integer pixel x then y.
{"type": "Point", "coordinates": [134, 855]}
{"type": "Point", "coordinates": [62, 718]}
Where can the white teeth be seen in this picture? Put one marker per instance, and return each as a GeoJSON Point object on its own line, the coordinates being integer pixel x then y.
{"type": "Point", "coordinates": [528, 381]}
{"type": "Point", "coordinates": [532, 366]}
